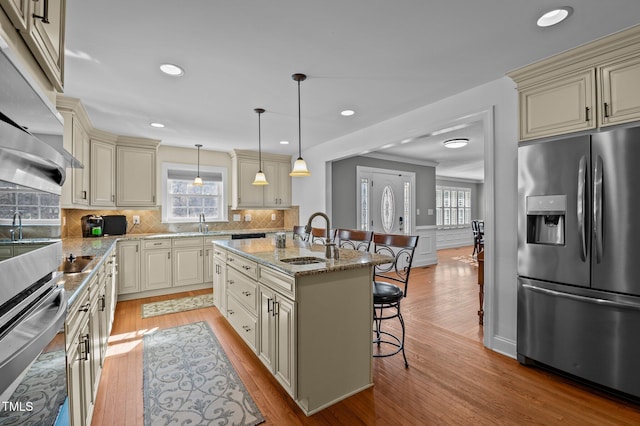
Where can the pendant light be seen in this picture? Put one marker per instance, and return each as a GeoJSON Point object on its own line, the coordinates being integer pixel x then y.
{"type": "Point", "coordinates": [260, 179]}
{"type": "Point", "coordinates": [198, 180]}
{"type": "Point", "coordinates": [300, 166]}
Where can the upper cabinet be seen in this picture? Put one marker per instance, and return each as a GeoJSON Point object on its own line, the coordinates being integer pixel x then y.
{"type": "Point", "coordinates": [245, 165]}
{"type": "Point", "coordinates": [75, 191]}
{"type": "Point", "coordinates": [41, 23]}
{"type": "Point", "coordinates": [591, 86]}
{"type": "Point", "coordinates": [136, 173]}
{"type": "Point", "coordinates": [103, 169]}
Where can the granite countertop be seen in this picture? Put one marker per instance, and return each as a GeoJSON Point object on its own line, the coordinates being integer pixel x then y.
{"type": "Point", "coordinates": [264, 251]}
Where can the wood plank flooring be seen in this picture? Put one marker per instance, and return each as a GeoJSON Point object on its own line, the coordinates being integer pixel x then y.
{"type": "Point", "coordinates": [452, 378]}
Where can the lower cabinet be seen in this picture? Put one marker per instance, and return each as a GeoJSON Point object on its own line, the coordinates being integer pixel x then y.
{"type": "Point", "coordinates": [188, 261]}
{"type": "Point", "coordinates": [156, 264]}
{"type": "Point", "coordinates": [242, 301]}
{"type": "Point", "coordinates": [220, 279]}
{"type": "Point", "coordinates": [128, 266]}
{"type": "Point", "coordinates": [87, 330]}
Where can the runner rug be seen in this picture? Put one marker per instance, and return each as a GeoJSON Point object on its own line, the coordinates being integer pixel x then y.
{"type": "Point", "coordinates": [176, 305]}
{"type": "Point", "coordinates": [188, 379]}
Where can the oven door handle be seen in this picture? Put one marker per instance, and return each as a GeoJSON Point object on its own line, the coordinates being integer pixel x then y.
{"type": "Point", "coordinates": [20, 346]}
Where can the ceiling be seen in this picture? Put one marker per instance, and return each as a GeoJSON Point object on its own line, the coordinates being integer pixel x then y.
{"type": "Point", "coordinates": [377, 57]}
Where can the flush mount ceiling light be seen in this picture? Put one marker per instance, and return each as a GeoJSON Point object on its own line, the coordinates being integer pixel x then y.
{"type": "Point", "coordinates": [198, 180]}
{"type": "Point", "coordinates": [456, 143]}
{"type": "Point", "coordinates": [300, 166]}
{"type": "Point", "coordinates": [284, 142]}
{"type": "Point", "coordinates": [555, 16]}
{"type": "Point", "coordinates": [260, 179]}
{"type": "Point", "coordinates": [172, 70]}
{"type": "Point", "coordinates": [347, 112]}
{"type": "Point", "coordinates": [157, 125]}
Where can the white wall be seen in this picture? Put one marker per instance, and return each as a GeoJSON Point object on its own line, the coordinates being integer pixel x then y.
{"type": "Point", "coordinates": [499, 99]}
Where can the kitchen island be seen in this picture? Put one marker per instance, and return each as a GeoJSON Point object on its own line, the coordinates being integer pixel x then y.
{"type": "Point", "coordinates": [308, 318]}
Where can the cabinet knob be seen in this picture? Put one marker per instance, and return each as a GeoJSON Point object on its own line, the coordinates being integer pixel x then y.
{"type": "Point", "coordinates": [230, 312]}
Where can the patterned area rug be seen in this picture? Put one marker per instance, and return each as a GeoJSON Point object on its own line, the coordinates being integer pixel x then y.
{"type": "Point", "coordinates": [40, 394]}
{"type": "Point", "coordinates": [188, 379]}
{"type": "Point", "coordinates": [467, 259]}
{"type": "Point", "coordinates": [176, 305]}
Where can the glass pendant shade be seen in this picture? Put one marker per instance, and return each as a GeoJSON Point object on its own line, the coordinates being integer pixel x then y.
{"type": "Point", "coordinates": [197, 181]}
{"type": "Point", "coordinates": [260, 179]}
{"type": "Point", "coordinates": [300, 168]}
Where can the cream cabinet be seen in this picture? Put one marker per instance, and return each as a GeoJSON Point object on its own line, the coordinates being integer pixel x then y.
{"type": "Point", "coordinates": [242, 298]}
{"type": "Point", "coordinates": [103, 179]}
{"type": "Point", "coordinates": [136, 176]}
{"type": "Point", "coordinates": [76, 189]}
{"type": "Point", "coordinates": [156, 264]}
{"type": "Point", "coordinates": [128, 266]}
{"type": "Point", "coordinates": [245, 165]}
{"type": "Point", "coordinates": [220, 279]}
{"type": "Point", "coordinates": [592, 86]}
{"type": "Point", "coordinates": [81, 151]}
{"type": "Point", "coordinates": [188, 261]}
{"type": "Point", "coordinates": [42, 26]}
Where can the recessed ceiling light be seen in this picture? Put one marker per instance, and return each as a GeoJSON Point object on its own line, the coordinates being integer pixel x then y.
{"type": "Point", "coordinates": [172, 70]}
{"type": "Point", "coordinates": [555, 16]}
{"type": "Point", "coordinates": [284, 142]}
{"type": "Point", "coordinates": [347, 112]}
{"type": "Point", "coordinates": [158, 125]}
{"type": "Point", "coordinates": [456, 143]}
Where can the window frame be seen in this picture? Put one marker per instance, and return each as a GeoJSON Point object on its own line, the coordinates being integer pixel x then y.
{"type": "Point", "coordinates": [190, 168]}
{"type": "Point", "coordinates": [452, 208]}
{"type": "Point", "coordinates": [25, 220]}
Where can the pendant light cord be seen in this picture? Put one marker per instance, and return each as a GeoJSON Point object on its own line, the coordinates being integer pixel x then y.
{"type": "Point", "coordinates": [259, 143]}
{"type": "Point", "coordinates": [299, 125]}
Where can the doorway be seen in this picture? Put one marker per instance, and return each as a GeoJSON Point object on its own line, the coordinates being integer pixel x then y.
{"type": "Point", "coordinates": [385, 200]}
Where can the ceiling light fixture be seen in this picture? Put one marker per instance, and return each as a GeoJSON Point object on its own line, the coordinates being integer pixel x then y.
{"type": "Point", "coordinates": [300, 166]}
{"type": "Point", "coordinates": [198, 180]}
{"type": "Point", "coordinates": [555, 16]}
{"type": "Point", "coordinates": [456, 143]}
{"type": "Point", "coordinates": [284, 142]}
{"type": "Point", "coordinates": [260, 179]}
{"type": "Point", "coordinates": [347, 112]}
{"type": "Point", "coordinates": [157, 125]}
{"type": "Point", "coordinates": [172, 70]}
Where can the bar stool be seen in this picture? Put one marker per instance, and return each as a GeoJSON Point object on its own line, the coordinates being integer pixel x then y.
{"type": "Point", "coordinates": [387, 294]}
{"type": "Point", "coordinates": [299, 233]}
{"type": "Point", "coordinates": [355, 239]}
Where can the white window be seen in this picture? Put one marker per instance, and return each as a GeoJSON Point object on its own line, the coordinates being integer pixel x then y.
{"type": "Point", "coordinates": [453, 206]}
{"type": "Point", "coordinates": [183, 202]}
{"type": "Point", "coordinates": [34, 206]}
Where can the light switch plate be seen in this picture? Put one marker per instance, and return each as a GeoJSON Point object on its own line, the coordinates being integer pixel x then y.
{"type": "Point", "coordinates": [247, 217]}
{"type": "Point", "coordinates": [273, 216]}
{"type": "Point", "coordinates": [236, 217]}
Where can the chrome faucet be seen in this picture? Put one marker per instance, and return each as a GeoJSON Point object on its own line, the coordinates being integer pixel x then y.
{"type": "Point", "coordinates": [16, 214]}
{"type": "Point", "coordinates": [201, 224]}
{"type": "Point", "coordinates": [329, 245]}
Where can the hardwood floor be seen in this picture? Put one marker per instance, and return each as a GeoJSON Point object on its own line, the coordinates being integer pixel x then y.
{"type": "Point", "coordinates": [452, 378]}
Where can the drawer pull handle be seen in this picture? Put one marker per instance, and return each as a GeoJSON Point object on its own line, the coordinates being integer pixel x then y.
{"type": "Point", "coordinates": [246, 293]}
{"type": "Point", "coordinates": [246, 328]}
{"type": "Point", "coordinates": [230, 282]}
{"type": "Point", "coordinates": [245, 267]}
{"type": "Point", "coordinates": [84, 308]}
{"type": "Point", "coordinates": [231, 259]}
{"type": "Point", "coordinates": [230, 312]}
{"type": "Point", "coordinates": [157, 244]}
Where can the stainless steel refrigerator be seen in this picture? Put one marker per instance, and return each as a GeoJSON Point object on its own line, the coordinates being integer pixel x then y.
{"type": "Point", "coordinates": [579, 257]}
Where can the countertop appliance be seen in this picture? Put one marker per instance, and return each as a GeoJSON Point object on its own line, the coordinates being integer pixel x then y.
{"type": "Point", "coordinates": [115, 224]}
{"type": "Point", "coordinates": [578, 268]}
{"type": "Point", "coordinates": [92, 226]}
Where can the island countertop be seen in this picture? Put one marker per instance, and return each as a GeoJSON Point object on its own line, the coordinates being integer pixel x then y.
{"type": "Point", "coordinates": [264, 251]}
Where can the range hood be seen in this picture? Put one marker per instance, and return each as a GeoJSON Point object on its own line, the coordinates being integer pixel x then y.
{"type": "Point", "coordinates": [31, 151]}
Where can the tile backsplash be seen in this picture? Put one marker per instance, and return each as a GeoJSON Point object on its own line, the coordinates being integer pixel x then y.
{"type": "Point", "coordinates": [151, 221]}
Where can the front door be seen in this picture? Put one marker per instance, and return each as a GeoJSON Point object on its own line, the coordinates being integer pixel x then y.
{"type": "Point", "coordinates": [386, 200]}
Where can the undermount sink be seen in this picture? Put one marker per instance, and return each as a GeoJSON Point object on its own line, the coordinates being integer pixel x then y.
{"type": "Point", "coordinates": [75, 264]}
{"type": "Point", "coordinates": [302, 260]}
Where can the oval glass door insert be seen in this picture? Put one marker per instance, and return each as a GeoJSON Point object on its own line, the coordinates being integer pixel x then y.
{"type": "Point", "coordinates": [387, 207]}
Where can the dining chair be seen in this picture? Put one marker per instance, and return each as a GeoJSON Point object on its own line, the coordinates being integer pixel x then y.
{"type": "Point", "coordinates": [355, 239]}
{"type": "Point", "coordinates": [390, 284]}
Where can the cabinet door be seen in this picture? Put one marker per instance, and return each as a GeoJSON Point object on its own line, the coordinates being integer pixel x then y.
{"type": "Point", "coordinates": [75, 357]}
{"type": "Point", "coordinates": [128, 267]}
{"type": "Point", "coordinates": [94, 347]}
{"type": "Point", "coordinates": [156, 269]}
{"type": "Point", "coordinates": [85, 373]}
{"type": "Point", "coordinates": [136, 178]}
{"type": "Point", "coordinates": [620, 85]}
{"type": "Point", "coordinates": [81, 150]}
{"type": "Point", "coordinates": [267, 341]}
{"type": "Point", "coordinates": [102, 174]}
{"type": "Point", "coordinates": [562, 105]}
{"type": "Point", "coordinates": [46, 38]}
{"type": "Point", "coordinates": [187, 265]}
{"type": "Point", "coordinates": [219, 285]}
{"type": "Point", "coordinates": [17, 11]}
{"type": "Point", "coordinates": [249, 195]}
{"type": "Point", "coordinates": [208, 265]}
{"type": "Point", "coordinates": [278, 193]}
{"type": "Point", "coordinates": [285, 343]}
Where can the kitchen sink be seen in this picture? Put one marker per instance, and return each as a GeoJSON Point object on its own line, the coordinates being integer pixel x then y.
{"type": "Point", "coordinates": [73, 264]}
{"type": "Point", "coordinates": [303, 260]}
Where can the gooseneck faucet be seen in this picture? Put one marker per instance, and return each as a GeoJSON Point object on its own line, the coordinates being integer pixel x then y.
{"type": "Point", "coordinates": [16, 214]}
{"type": "Point", "coordinates": [328, 244]}
{"type": "Point", "coordinates": [201, 225]}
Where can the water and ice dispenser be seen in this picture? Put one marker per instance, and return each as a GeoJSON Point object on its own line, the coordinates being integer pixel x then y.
{"type": "Point", "coordinates": [546, 219]}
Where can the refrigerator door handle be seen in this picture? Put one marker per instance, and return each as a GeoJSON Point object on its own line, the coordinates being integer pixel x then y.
{"type": "Point", "coordinates": [582, 172]}
{"type": "Point", "coordinates": [597, 207]}
{"type": "Point", "coordinates": [579, 298]}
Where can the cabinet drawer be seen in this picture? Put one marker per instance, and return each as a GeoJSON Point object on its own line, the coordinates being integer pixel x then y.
{"type": "Point", "coordinates": [278, 281]}
{"type": "Point", "coordinates": [188, 242]}
{"type": "Point", "coordinates": [219, 253]}
{"type": "Point", "coordinates": [242, 321]}
{"type": "Point", "coordinates": [76, 315]}
{"type": "Point", "coordinates": [156, 243]}
{"type": "Point", "coordinates": [243, 265]}
{"type": "Point", "coordinates": [244, 289]}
